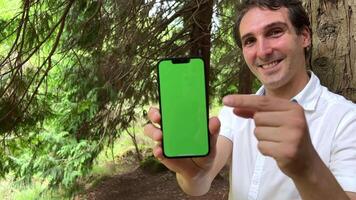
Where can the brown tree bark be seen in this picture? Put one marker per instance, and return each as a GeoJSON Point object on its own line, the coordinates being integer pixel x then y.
{"type": "Point", "coordinates": [200, 36]}
{"type": "Point", "coordinates": [334, 44]}
{"type": "Point", "coordinates": [246, 79]}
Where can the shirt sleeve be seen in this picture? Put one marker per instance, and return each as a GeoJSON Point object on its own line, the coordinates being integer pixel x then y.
{"type": "Point", "coordinates": [225, 117]}
{"type": "Point", "coordinates": [343, 155]}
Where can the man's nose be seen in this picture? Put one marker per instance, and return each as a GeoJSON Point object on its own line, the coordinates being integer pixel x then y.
{"type": "Point", "coordinates": [264, 49]}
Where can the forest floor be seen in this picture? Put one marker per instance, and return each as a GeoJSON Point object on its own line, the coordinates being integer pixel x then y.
{"type": "Point", "coordinates": [148, 183]}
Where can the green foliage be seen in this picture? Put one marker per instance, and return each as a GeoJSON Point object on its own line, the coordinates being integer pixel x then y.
{"type": "Point", "coordinates": [226, 55]}
{"type": "Point", "coordinates": [58, 158]}
{"type": "Point", "coordinates": [74, 75]}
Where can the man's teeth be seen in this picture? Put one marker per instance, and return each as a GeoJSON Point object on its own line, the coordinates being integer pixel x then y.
{"type": "Point", "coordinates": [269, 65]}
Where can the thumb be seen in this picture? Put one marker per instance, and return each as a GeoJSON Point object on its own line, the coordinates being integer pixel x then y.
{"type": "Point", "coordinates": [214, 125]}
{"type": "Point", "coordinates": [214, 129]}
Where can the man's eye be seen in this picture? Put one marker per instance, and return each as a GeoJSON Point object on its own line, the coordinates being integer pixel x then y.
{"type": "Point", "coordinates": [249, 42]}
{"type": "Point", "coordinates": [276, 33]}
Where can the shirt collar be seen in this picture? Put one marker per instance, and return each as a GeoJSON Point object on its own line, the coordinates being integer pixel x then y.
{"type": "Point", "coordinates": [308, 97]}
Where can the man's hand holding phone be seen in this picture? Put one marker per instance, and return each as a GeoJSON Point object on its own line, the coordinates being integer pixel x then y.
{"type": "Point", "coordinates": [186, 167]}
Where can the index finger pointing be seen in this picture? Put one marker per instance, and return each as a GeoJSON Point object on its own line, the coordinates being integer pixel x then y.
{"type": "Point", "coordinates": [257, 103]}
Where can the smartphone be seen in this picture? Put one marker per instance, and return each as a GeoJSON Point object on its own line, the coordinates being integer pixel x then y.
{"type": "Point", "coordinates": [184, 107]}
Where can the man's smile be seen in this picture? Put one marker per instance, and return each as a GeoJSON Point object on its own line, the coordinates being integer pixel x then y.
{"type": "Point", "coordinates": [269, 65]}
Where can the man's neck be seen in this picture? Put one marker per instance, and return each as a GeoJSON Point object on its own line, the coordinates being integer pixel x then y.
{"type": "Point", "coordinates": [288, 91]}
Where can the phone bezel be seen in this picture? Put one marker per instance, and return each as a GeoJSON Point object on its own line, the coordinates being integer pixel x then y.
{"type": "Point", "coordinates": [177, 60]}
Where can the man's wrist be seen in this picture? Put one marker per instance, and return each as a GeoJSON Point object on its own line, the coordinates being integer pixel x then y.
{"type": "Point", "coordinates": [196, 185]}
{"type": "Point", "coordinates": [317, 182]}
{"type": "Point", "coordinates": [310, 173]}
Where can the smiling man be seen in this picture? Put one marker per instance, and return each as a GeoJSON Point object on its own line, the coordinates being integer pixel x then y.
{"type": "Point", "coordinates": [294, 139]}
{"type": "Point", "coordinates": [274, 51]}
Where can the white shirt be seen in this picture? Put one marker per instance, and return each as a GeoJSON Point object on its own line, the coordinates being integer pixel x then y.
{"type": "Point", "coordinates": [332, 125]}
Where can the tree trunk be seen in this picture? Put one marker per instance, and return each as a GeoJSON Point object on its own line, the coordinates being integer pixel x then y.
{"type": "Point", "coordinates": [200, 36]}
{"type": "Point", "coordinates": [334, 44]}
{"type": "Point", "coordinates": [245, 80]}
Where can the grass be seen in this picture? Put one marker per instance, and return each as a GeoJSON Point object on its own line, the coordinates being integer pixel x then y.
{"type": "Point", "coordinates": [10, 190]}
{"type": "Point", "coordinates": [5, 189]}
{"type": "Point", "coordinates": [108, 160]}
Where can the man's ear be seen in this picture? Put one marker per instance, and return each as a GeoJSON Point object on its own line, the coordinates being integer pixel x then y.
{"type": "Point", "coordinates": [306, 37]}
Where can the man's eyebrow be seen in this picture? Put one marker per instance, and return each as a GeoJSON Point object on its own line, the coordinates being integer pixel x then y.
{"type": "Point", "coordinates": [268, 26]}
{"type": "Point", "coordinates": [274, 24]}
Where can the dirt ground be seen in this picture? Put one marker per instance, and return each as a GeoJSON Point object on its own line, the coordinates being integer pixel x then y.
{"type": "Point", "coordinates": [141, 184]}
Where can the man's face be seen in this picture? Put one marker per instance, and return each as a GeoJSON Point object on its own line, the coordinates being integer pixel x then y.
{"type": "Point", "coordinates": [271, 47]}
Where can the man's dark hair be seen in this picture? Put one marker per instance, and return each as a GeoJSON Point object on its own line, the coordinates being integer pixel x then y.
{"type": "Point", "coordinates": [297, 15]}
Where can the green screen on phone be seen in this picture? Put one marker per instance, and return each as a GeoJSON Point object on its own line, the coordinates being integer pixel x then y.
{"type": "Point", "coordinates": [183, 105]}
